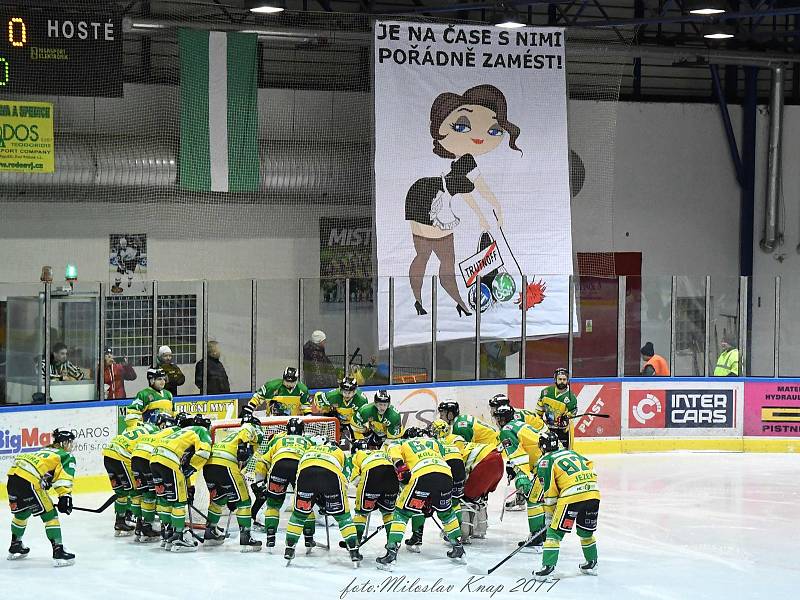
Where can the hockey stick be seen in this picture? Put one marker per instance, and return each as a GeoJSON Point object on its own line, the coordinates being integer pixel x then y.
{"type": "Point", "coordinates": [512, 493]}
{"type": "Point", "coordinates": [350, 361]}
{"type": "Point", "coordinates": [343, 544]}
{"type": "Point", "coordinates": [327, 534]}
{"type": "Point", "coordinates": [105, 505]}
{"type": "Point", "coordinates": [506, 241]}
{"type": "Point", "coordinates": [191, 524]}
{"type": "Point", "coordinates": [515, 552]}
{"type": "Point", "coordinates": [601, 415]}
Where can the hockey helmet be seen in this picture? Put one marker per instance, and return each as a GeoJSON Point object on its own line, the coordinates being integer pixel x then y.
{"type": "Point", "coordinates": [548, 442]}
{"type": "Point", "coordinates": [295, 426]}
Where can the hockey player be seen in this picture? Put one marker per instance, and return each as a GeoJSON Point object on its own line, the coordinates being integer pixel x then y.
{"type": "Point", "coordinates": [117, 462]}
{"type": "Point", "coordinates": [29, 479]}
{"type": "Point", "coordinates": [151, 400]}
{"type": "Point", "coordinates": [421, 468]}
{"type": "Point", "coordinates": [376, 485]}
{"type": "Point", "coordinates": [529, 417]}
{"type": "Point", "coordinates": [484, 468]}
{"type": "Point", "coordinates": [452, 445]}
{"type": "Point", "coordinates": [520, 447]}
{"type": "Point", "coordinates": [467, 426]}
{"type": "Point", "coordinates": [321, 480]}
{"type": "Point", "coordinates": [143, 477]}
{"type": "Point", "coordinates": [343, 402]}
{"type": "Point", "coordinates": [176, 457]}
{"type": "Point", "coordinates": [566, 488]}
{"type": "Point", "coordinates": [557, 405]}
{"type": "Point", "coordinates": [276, 469]}
{"type": "Point", "coordinates": [226, 484]}
{"type": "Point", "coordinates": [283, 397]}
{"type": "Point", "coordinates": [378, 421]}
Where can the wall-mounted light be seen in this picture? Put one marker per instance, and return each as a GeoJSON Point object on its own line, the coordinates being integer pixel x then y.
{"type": "Point", "coordinates": [71, 275]}
{"type": "Point", "coordinates": [47, 274]}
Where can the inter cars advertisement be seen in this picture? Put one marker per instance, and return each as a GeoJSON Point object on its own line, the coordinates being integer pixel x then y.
{"type": "Point", "coordinates": [29, 431]}
{"type": "Point", "coordinates": [682, 408]}
{"type": "Point", "coordinates": [773, 409]}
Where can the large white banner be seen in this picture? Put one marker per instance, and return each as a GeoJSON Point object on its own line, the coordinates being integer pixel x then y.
{"type": "Point", "coordinates": [471, 178]}
{"type": "Point", "coordinates": [30, 430]}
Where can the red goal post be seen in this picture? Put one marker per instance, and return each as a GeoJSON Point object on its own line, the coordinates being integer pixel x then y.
{"type": "Point", "coordinates": [271, 425]}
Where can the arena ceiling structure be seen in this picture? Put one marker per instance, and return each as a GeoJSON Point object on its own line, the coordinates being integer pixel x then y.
{"type": "Point", "coordinates": [666, 45]}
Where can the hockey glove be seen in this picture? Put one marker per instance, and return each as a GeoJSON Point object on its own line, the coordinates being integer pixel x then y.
{"type": "Point", "coordinates": [259, 489]}
{"type": "Point", "coordinates": [523, 484]}
{"type": "Point", "coordinates": [247, 411]}
{"type": "Point", "coordinates": [403, 472]}
{"type": "Point", "coordinates": [232, 505]}
{"type": "Point", "coordinates": [65, 504]}
{"type": "Point", "coordinates": [510, 472]}
{"type": "Point", "coordinates": [244, 452]}
{"type": "Point", "coordinates": [46, 481]}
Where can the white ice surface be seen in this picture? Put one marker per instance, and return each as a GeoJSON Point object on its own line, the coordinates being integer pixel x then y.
{"type": "Point", "coordinates": [672, 526]}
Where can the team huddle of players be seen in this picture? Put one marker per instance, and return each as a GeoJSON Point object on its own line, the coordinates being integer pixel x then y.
{"type": "Point", "coordinates": [443, 473]}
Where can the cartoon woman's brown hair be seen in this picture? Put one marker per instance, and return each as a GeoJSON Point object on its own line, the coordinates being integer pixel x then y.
{"type": "Point", "coordinates": [484, 95]}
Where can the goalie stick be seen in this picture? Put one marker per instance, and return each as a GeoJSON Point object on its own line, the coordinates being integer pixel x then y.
{"type": "Point", "coordinates": [105, 505]}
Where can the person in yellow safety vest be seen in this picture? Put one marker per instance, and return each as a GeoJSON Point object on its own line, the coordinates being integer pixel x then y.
{"type": "Point", "coordinates": [728, 361]}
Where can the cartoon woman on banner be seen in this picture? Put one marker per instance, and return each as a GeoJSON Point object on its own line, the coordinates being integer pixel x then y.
{"type": "Point", "coordinates": [463, 126]}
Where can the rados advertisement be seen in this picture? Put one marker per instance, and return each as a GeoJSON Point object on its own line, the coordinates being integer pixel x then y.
{"type": "Point", "coordinates": [26, 137]}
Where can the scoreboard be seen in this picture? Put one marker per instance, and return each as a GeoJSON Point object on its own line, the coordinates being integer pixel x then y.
{"type": "Point", "coordinates": [60, 52]}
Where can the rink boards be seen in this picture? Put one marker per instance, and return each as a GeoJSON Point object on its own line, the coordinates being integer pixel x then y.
{"type": "Point", "coordinates": [642, 415]}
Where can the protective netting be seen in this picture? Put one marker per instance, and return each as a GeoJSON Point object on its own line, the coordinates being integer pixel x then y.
{"type": "Point", "coordinates": [314, 426]}
{"type": "Point", "coordinates": [300, 118]}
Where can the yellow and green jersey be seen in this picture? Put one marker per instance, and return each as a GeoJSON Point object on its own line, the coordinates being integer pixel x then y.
{"type": "Point", "coordinates": [145, 444]}
{"type": "Point", "coordinates": [170, 449]}
{"type": "Point", "coordinates": [52, 464]}
{"type": "Point", "coordinates": [475, 430]}
{"type": "Point", "coordinates": [388, 425]}
{"type": "Point", "coordinates": [281, 401]}
{"type": "Point", "coordinates": [147, 401]}
{"type": "Point", "coordinates": [564, 477]}
{"type": "Point", "coordinates": [225, 452]}
{"type": "Point", "coordinates": [334, 402]}
{"type": "Point", "coordinates": [553, 404]}
{"type": "Point", "coordinates": [122, 445]}
{"type": "Point", "coordinates": [328, 457]}
{"type": "Point", "coordinates": [519, 444]}
{"type": "Point", "coordinates": [280, 447]}
{"type": "Point", "coordinates": [363, 461]}
{"type": "Point", "coordinates": [529, 417]}
{"type": "Point", "coordinates": [474, 453]}
{"type": "Point", "coordinates": [421, 456]}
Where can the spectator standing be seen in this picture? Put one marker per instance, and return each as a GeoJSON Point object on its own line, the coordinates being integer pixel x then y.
{"type": "Point", "coordinates": [115, 375]}
{"type": "Point", "coordinates": [216, 376]}
{"type": "Point", "coordinates": [175, 376]}
{"type": "Point", "coordinates": [318, 370]}
{"type": "Point", "coordinates": [728, 361]}
{"type": "Point", "coordinates": [61, 369]}
{"type": "Point", "coordinates": [654, 365]}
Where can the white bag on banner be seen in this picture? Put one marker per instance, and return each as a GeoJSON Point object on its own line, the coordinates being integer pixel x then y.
{"type": "Point", "coordinates": [471, 145]}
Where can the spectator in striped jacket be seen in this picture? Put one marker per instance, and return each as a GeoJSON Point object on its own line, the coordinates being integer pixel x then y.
{"type": "Point", "coordinates": [61, 369]}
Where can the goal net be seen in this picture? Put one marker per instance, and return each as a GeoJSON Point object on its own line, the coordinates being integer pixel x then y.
{"type": "Point", "coordinates": [271, 426]}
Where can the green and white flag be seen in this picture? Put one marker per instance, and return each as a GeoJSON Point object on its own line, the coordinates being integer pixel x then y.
{"type": "Point", "coordinates": [219, 112]}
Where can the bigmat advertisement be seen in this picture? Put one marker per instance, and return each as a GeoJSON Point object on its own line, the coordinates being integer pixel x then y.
{"type": "Point", "coordinates": [29, 431]}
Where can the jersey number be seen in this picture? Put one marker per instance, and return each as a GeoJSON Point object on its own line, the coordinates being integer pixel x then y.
{"type": "Point", "coordinates": [418, 446]}
{"type": "Point", "coordinates": [569, 466]}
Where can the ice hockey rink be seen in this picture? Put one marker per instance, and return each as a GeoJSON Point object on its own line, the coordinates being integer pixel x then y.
{"type": "Point", "coordinates": [672, 526]}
